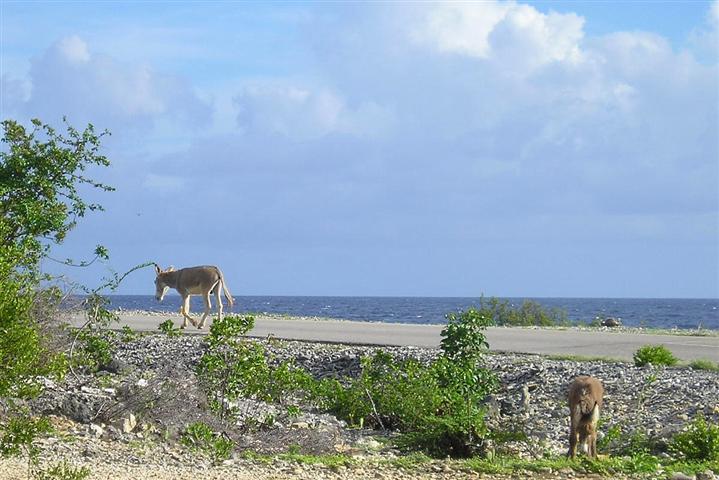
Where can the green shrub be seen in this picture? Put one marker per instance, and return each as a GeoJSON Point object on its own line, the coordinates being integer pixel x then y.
{"type": "Point", "coordinates": [463, 336]}
{"type": "Point", "coordinates": [529, 313]}
{"type": "Point", "coordinates": [63, 471]}
{"type": "Point", "coordinates": [704, 365]}
{"type": "Point", "coordinates": [436, 407]}
{"type": "Point", "coordinates": [233, 368]}
{"type": "Point", "coordinates": [94, 348]}
{"type": "Point", "coordinates": [654, 355]}
{"type": "Point", "coordinates": [41, 173]}
{"type": "Point", "coordinates": [200, 437]}
{"type": "Point", "coordinates": [128, 335]}
{"type": "Point", "coordinates": [19, 434]}
{"type": "Point", "coordinates": [700, 441]}
{"type": "Point", "coordinates": [168, 328]}
{"type": "Point", "coordinates": [229, 364]}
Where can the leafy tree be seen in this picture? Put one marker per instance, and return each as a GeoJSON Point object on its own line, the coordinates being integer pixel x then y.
{"type": "Point", "coordinates": [41, 172]}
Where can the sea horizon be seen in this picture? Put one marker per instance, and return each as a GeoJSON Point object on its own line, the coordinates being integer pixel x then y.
{"type": "Point", "coordinates": [685, 313]}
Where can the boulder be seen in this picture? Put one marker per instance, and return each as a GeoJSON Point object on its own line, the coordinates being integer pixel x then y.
{"type": "Point", "coordinates": [129, 424]}
{"type": "Point", "coordinates": [611, 322]}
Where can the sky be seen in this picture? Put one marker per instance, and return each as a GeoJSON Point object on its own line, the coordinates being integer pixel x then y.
{"type": "Point", "coordinates": [512, 149]}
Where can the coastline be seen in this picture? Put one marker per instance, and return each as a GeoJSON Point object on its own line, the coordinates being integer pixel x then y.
{"type": "Point", "coordinates": [593, 342]}
{"type": "Point", "coordinates": [696, 332]}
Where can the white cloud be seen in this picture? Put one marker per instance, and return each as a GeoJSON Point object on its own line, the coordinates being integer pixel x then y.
{"type": "Point", "coordinates": [69, 79]}
{"type": "Point", "coordinates": [506, 32]}
{"type": "Point", "coordinates": [74, 49]}
{"type": "Point", "coordinates": [303, 113]}
{"type": "Point", "coordinates": [461, 27]}
{"type": "Point", "coordinates": [532, 39]}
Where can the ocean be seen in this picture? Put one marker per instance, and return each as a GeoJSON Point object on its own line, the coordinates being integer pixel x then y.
{"type": "Point", "coordinates": [658, 313]}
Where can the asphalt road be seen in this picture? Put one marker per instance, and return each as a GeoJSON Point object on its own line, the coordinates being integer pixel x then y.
{"type": "Point", "coordinates": [621, 345]}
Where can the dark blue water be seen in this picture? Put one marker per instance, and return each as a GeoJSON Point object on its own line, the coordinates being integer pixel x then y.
{"type": "Point", "coordinates": [659, 313]}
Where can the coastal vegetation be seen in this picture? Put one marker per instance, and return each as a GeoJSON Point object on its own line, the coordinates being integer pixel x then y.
{"type": "Point", "coordinates": [529, 313]}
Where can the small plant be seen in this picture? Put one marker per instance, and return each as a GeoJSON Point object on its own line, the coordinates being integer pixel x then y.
{"type": "Point", "coordinates": [63, 471]}
{"type": "Point", "coordinates": [128, 335]}
{"type": "Point", "coordinates": [654, 355]}
{"type": "Point", "coordinates": [19, 436]}
{"type": "Point", "coordinates": [704, 365]}
{"type": "Point", "coordinates": [200, 437]}
{"type": "Point", "coordinates": [611, 437]}
{"type": "Point", "coordinates": [463, 337]}
{"type": "Point", "coordinates": [231, 366]}
{"type": "Point", "coordinates": [700, 441]}
{"type": "Point", "coordinates": [168, 328]}
{"type": "Point", "coordinates": [94, 348]}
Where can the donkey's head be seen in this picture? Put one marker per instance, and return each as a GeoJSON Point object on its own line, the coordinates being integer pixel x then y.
{"type": "Point", "coordinates": [161, 286]}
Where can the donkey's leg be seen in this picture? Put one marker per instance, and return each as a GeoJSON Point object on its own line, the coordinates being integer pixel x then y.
{"type": "Point", "coordinates": [185, 310]}
{"type": "Point", "coordinates": [219, 300]}
{"type": "Point", "coordinates": [182, 312]}
{"type": "Point", "coordinates": [592, 445]}
{"type": "Point", "coordinates": [208, 306]}
{"type": "Point", "coordinates": [573, 437]}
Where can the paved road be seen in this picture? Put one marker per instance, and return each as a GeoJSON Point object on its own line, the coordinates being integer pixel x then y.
{"type": "Point", "coordinates": [557, 342]}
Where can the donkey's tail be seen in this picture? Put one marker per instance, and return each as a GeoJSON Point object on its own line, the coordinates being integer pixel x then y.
{"type": "Point", "coordinates": [228, 295]}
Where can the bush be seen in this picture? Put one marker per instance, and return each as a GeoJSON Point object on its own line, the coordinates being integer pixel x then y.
{"type": "Point", "coordinates": [229, 364]}
{"type": "Point", "coordinates": [530, 313]}
{"type": "Point", "coordinates": [63, 471]}
{"type": "Point", "coordinates": [200, 437]}
{"type": "Point", "coordinates": [700, 441]}
{"type": "Point", "coordinates": [463, 337]}
{"type": "Point", "coordinates": [20, 433]}
{"type": "Point", "coordinates": [437, 407]}
{"type": "Point", "coordinates": [94, 348]}
{"type": "Point", "coordinates": [40, 173]}
{"type": "Point", "coordinates": [654, 355]}
{"type": "Point", "coordinates": [233, 368]}
{"type": "Point", "coordinates": [704, 365]}
{"type": "Point", "coordinates": [168, 328]}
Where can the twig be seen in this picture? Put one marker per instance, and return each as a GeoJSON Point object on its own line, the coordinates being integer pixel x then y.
{"type": "Point", "coordinates": [374, 409]}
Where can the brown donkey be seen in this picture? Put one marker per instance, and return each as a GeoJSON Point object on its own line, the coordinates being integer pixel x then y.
{"type": "Point", "coordinates": [585, 401]}
{"type": "Point", "coordinates": [202, 280]}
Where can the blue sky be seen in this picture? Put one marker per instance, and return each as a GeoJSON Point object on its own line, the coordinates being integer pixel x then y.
{"type": "Point", "coordinates": [440, 149]}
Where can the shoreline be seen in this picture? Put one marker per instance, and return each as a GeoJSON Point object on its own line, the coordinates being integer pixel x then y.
{"type": "Point", "coordinates": [695, 332]}
{"type": "Point", "coordinates": [616, 343]}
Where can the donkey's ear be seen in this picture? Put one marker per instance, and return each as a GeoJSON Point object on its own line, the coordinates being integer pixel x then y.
{"type": "Point", "coordinates": [157, 269]}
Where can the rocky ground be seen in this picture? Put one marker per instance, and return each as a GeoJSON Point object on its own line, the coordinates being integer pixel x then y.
{"type": "Point", "coordinates": [125, 421]}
